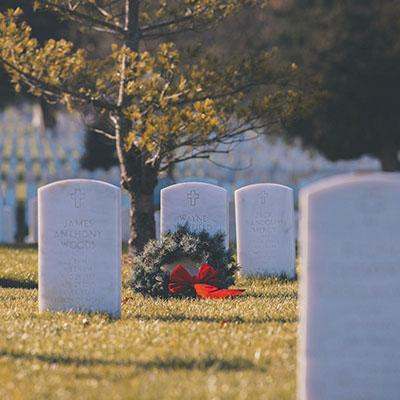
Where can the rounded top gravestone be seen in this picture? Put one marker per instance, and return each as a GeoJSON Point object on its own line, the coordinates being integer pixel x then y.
{"type": "Point", "coordinates": [265, 230]}
{"type": "Point", "coordinates": [349, 344]}
{"type": "Point", "coordinates": [80, 247]}
{"type": "Point", "coordinates": [200, 205]}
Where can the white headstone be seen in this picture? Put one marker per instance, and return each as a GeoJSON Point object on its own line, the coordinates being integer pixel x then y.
{"type": "Point", "coordinates": [265, 230]}
{"type": "Point", "coordinates": [32, 220]}
{"type": "Point", "coordinates": [10, 225]}
{"type": "Point", "coordinates": [125, 215]}
{"type": "Point", "coordinates": [80, 247]}
{"type": "Point", "coordinates": [350, 288]}
{"type": "Point", "coordinates": [38, 118]}
{"type": "Point", "coordinates": [201, 205]}
{"type": "Point", "coordinates": [157, 222]}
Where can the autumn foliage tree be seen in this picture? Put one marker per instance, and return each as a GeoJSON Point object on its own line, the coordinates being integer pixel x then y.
{"type": "Point", "coordinates": [163, 105]}
{"type": "Point", "coordinates": [42, 24]}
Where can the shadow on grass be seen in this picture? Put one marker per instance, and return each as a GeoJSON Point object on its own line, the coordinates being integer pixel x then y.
{"type": "Point", "coordinates": [18, 246]}
{"type": "Point", "coordinates": [17, 284]}
{"type": "Point", "coordinates": [172, 363]}
{"type": "Point", "coordinates": [200, 318]}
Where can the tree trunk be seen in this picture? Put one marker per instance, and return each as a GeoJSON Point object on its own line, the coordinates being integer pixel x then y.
{"type": "Point", "coordinates": [389, 158]}
{"type": "Point", "coordinates": [142, 223]}
{"type": "Point", "coordinates": [139, 179]}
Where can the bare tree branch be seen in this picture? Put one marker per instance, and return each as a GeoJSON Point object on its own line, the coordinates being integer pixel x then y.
{"type": "Point", "coordinates": [101, 132]}
{"type": "Point", "coordinates": [237, 90]}
{"type": "Point", "coordinates": [158, 35]}
{"type": "Point", "coordinates": [95, 23]}
{"type": "Point", "coordinates": [163, 24]}
{"type": "Point", "coordinates": [213, 145]}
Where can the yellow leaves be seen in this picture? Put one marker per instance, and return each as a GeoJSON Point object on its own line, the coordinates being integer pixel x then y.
{"type": "Point", "coordinates": [12, 28]}
{"type": "Point", "coordinates": [153, 129]}
{"type": "Point", "coordinates": [114, 47]}
{"type": "Point", "coordinates": [14, 13]}
{"type": "Point", "coordinates": [168, 56]}
{"type": "Point", "coordinates": [130, 140]}
{"type": "Point", "coordinates": [182, 83]}
{"type": "Point", "coordinates": [133, 113]}
{"type": "Point", "coordinates": [205, 105]}
{"type": "Point", "coordinates": [67, 100]}
{"type": "Point", "coordinates": [36, 5]}
{"type": "Point", "coordinates": [55, 63]}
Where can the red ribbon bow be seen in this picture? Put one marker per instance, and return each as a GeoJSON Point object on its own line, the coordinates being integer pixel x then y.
{"type": "Point", "coordinates": [205, 283]}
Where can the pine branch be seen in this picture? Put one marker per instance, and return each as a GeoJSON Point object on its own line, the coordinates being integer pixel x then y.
{"type": "Point", "coordinates": [58, 92]}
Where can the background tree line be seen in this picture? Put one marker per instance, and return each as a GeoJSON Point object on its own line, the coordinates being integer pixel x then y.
{"type": "Point", "coordinates": [347, 51]}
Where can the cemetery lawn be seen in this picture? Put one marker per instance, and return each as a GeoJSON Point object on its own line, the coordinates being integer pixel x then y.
{"type": "Point", "coordinates": [177, 349]}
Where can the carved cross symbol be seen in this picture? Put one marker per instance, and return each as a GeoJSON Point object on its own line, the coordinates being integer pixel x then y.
{"type": "Point", "coordinates": [78, 196]}
{"type": "Point", "coordinates": [263, 197]}
{"type": "Point", "coordinates": [193, 196]}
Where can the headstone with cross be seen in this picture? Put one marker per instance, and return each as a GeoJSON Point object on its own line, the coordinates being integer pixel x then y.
{"type": "Point", "coordinates": [265, 230]}
{"type": "Point", "coordinates": [77, 197]}
{"type": "Point", "coordinates": [201, 206]}
{"type": "Point", "coordinates": [80, 247]}
{"type": "Point", "coordinates": [193, 196]}
{"type": "Point", "coordinates": [263, 196]}
{"type": "Point", "coordinates": [349, 345]}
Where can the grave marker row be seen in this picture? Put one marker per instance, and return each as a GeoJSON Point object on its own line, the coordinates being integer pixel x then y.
{"type": "Point", "coordinates": [349, 297]}
{"type": "Point", "coordinates": [80, 235]}
{"type": "Point", "coordinates": [265, 226]}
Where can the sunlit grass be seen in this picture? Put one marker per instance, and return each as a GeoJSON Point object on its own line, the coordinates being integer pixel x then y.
{"type": "Point", "coordinates": [176, 349]}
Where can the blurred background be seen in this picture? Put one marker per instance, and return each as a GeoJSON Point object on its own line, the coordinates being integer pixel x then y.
{"type": "Point", "coordinates": [347, 54]}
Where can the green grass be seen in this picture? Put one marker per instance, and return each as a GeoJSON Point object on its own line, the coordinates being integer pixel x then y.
{"type": "Point", "coordinates": [176, 349]}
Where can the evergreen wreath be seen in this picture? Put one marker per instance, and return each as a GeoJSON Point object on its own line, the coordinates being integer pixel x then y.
{"type": "Point", "coordinates": [150, 276]}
